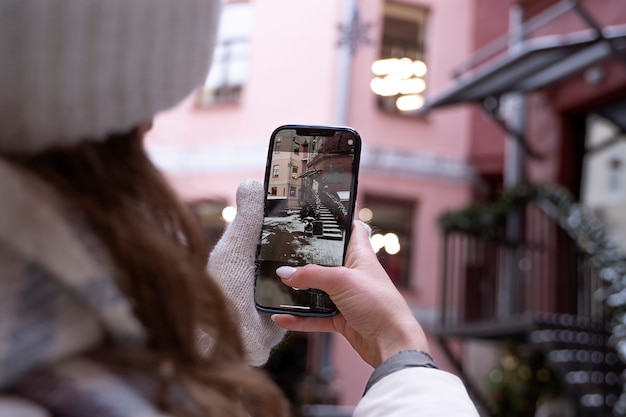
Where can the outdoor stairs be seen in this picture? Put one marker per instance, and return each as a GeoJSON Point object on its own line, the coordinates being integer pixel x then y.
{"type": "Point", "coordinates": [577, 351]}
{"type": "Point", "coordinates": [331, 229]}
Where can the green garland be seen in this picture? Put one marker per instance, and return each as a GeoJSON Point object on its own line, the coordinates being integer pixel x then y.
{"type": "Point", "coordinates": [486, 221]}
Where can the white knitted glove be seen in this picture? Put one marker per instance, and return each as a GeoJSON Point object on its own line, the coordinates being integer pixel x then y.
{"type": "Point", "coordinates": [232, 265]}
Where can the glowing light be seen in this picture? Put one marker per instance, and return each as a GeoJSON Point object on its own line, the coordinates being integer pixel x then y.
{"type": "Point", "coordinates": [389, 242]}
{"type": "Point", "coordinates": [543, 375]}
{"type": "Point", "coordinates": [377, 85]}
{"type": "Point", "coordinates": [388, 86]}
{"type": "Point", "coordinates": [524, 372]}
{"type": "Point", "coordinates": [385, 66]}
{"type": "Point", "coordinates": [496, 376]}
{"type": "Point", "coordinates": [410, 102]}
{"type": "Point", "coordinates": [365, 214]}
{"type": "Point", "coordinates": [412, 86]}
{"type": "Point", "coordinates": [419, 68]}
{"type": "Point", "coordinates": [228, 214]}
{"type": "Point", "coordinates": [377, 241]}
{"type": "Point", "coordinates": [402, 78]}
{"type": "Point", "coordinates": [392, 243]}
{"type": "Point", "coordinates": [405, 68]}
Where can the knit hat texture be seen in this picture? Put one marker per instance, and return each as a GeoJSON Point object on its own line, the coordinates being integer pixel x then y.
{"type": "Point", "coordinates": [77, 70]}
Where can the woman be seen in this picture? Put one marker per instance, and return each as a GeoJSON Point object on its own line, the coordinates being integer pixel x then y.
{"type": "Point", "coordinates": [106, 306]}
{"type": "Point", "coordinates": [103, 282]}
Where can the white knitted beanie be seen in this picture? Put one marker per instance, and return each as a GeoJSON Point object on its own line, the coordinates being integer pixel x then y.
{"type": "Point", "coordinates": [75, 70]}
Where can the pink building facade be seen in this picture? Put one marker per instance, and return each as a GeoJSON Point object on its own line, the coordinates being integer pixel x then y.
{"type": "Point", "coordinates": [310, 62]}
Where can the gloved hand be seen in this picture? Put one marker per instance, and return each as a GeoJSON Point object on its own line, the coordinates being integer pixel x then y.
{"type": "Point", "coordinates": [231, 264]}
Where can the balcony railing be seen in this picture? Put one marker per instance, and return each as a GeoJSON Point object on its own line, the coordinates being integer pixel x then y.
{"type": "Point", "coordinates": [535, 264]}
{"type": "Point", "coordinates": [495, 279]}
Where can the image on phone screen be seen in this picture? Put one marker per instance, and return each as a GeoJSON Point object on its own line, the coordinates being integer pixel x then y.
{"type": "Point", "coordinates": [310, 184]}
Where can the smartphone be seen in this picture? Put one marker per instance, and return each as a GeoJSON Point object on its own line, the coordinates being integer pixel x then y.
{"type": "Point", "coordinates": [310, 193]}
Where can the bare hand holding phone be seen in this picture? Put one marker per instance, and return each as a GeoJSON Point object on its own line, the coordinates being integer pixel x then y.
{"type": "Point", "coordinates": [374, 317]}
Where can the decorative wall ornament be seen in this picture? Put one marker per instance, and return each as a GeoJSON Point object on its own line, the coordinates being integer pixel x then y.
{"type": "Point", "coordinates": [354, 33]}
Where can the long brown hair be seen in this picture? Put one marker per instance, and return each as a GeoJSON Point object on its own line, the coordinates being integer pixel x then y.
{"type": "Point", "coordinates": [160, 253]}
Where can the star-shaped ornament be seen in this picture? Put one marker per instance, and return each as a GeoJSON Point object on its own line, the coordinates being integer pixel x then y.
{"type": "Point", "coordinates": [354, 33]}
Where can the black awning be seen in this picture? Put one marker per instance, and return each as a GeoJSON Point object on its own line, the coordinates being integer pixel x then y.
{"type": "Point", "coordinates": [310, 173]}
{"type": "Point", "coordinates": [616, 113]}
{"type": "Point", "coordinates": [535, 64]}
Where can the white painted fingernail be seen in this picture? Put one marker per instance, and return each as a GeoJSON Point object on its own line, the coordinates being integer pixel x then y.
{"type": "Point", "coordinates": [285, 272]}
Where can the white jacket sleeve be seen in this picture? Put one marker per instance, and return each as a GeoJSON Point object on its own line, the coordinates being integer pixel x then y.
{"type": "Point", "coordinates": [417, 392]}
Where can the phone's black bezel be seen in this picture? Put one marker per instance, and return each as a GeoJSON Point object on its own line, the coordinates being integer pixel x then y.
{"type": "Point", "coordinates": [310, 130]}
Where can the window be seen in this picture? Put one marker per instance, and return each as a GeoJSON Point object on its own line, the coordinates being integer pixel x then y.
{"type": "Point", "coordinates": [336, 174]}
{"type": "Point", "coordinates": [294, 172]}
{"type": "Point", "coordinates": [296, 148]}
{"type": "Point", "coordinates": [277, 146]}
{"type": "Point", "coordinates": [399, 73]}
{"type": "Point", "coordinates": [275, 170]}
{"type": "Point", "coordinates": [614, 179]}
{"type": "Point", "coordinates": [292, 191]}
{"type": "Point", "coordinates": [229, 67]}
{"type": "Point", "coordinates": [274, 191]}
{"type": "Point", "coordinates": [392, 223]}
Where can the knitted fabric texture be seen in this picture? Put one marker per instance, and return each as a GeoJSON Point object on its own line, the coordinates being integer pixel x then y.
{"type": "Point", "coordinates": [232, 263]}
{"type": "Point", "coordinates": [75, 70]}
{"type": "Point", "coordinates": [57, 294]}
{"type": "Point", "coordinates": [59, 301]}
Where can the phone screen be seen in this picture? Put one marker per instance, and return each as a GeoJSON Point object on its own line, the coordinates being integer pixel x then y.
{"type": "Point", "coordinates": [310, 184]}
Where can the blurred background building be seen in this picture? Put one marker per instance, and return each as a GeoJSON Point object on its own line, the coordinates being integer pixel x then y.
{"type": "Point", "coordinates": [456, 101]}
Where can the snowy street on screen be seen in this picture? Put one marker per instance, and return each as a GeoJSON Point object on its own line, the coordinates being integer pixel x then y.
{"type": "Point", "coordinates": [299, 246]}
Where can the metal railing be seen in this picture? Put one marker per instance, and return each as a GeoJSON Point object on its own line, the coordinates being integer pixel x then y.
{"type": "Point", "coordinates": [494, 279]}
